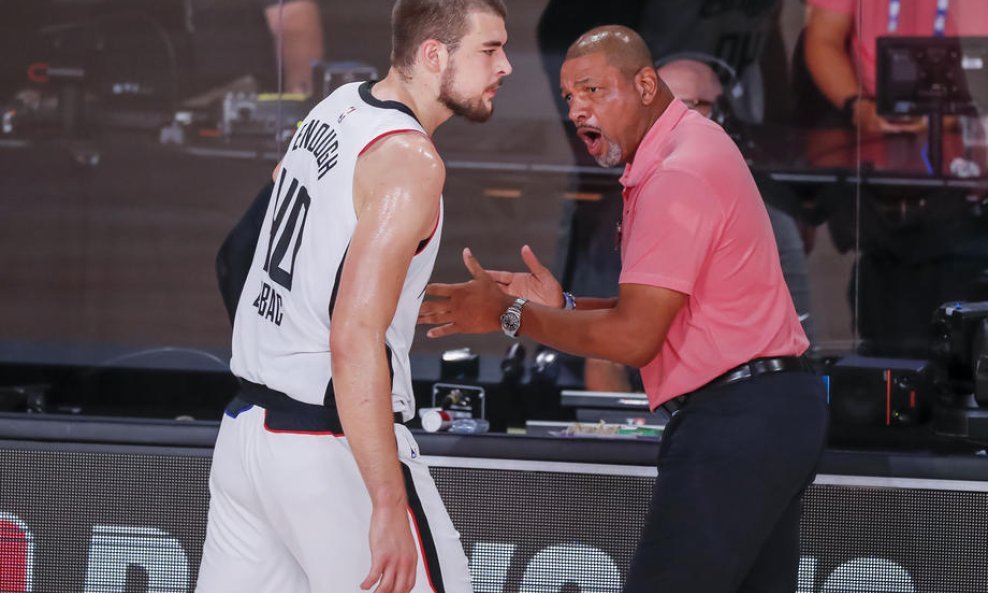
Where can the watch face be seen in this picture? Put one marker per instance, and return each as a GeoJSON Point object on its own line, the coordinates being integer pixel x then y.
{"type": "Point", "coordinates": [510, 322]}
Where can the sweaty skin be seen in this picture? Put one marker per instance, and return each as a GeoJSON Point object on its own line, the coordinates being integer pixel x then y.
{"type": "Point", "coordinates": [398, 183]}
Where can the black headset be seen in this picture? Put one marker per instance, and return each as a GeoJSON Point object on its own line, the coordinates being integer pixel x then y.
{"type": "Point", "coordinates": [730, 105]}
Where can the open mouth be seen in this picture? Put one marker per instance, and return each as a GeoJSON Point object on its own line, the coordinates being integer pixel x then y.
{"type": "Point", "coordinates": [592, 138]}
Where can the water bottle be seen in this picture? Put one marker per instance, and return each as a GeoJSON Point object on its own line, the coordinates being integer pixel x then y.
{"type": "Point", "coordinates": [438, 419]}
{"type": "Point", "coordinates": [469, 425]}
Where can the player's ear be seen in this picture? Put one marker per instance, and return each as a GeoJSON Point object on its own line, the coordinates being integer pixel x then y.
{"type": "Point", "coordinates": [433, 55]}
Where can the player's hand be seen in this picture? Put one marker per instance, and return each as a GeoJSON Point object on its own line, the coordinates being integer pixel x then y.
{"type": "Point", "coordinates": [537, 284]}
{"type": "Point", "coordinates": [394, 558]}
{"type": "Point", "coordinates": [472, 307]}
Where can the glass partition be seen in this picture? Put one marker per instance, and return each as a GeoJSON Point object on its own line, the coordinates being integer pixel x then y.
{"type": "Point", "coordinates": [135, 134]}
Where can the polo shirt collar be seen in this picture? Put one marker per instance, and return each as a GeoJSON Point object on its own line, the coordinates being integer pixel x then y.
{"type": "Point", "coordinates": [647, 153]}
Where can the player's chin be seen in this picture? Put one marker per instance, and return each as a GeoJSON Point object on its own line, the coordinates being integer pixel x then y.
{"type": "Point", "coordinates": [481, 113]}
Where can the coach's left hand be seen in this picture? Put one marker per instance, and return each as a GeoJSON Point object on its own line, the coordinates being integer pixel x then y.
{"type": "Point", "coordinates": [472, 307]}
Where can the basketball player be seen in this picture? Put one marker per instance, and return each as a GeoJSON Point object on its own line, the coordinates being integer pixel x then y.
{"type": "Point", "coordinates": [315, 483]}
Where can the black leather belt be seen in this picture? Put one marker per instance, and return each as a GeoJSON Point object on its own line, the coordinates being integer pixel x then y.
{"type": "Point", "coordinates": [743, 372]}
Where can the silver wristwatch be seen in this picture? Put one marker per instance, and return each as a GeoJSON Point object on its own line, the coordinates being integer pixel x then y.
{"type": "Point", "coordinates": [511, 319]}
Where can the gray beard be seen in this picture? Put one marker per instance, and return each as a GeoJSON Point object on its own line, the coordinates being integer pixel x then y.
{"type": "Point", "coordinates": [611, 158]}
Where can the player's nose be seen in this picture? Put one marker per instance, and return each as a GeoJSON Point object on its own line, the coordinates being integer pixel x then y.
{"type": "Point", "coordinates": [504, 67]}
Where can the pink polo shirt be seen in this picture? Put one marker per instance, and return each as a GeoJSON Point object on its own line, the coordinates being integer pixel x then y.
{"type": "Point", "coordinates": [964, 17]}
{"type": "Point", "coordinates": [695, 223]}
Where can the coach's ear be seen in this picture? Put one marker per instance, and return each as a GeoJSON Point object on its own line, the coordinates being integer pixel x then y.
{"type": "Point", "coordinates": [647, 84]}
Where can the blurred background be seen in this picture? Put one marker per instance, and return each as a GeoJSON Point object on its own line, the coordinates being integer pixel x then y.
{"type": "Point", "coordinates": [134, 134]}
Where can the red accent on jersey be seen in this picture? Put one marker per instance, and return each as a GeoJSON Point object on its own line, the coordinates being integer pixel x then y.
{"type": "Point", "coordinates": [418, 536]}
{"type": "Point", "coordinates": [389, 133]}
{"type": "Point", "coordinates": [425, 242]}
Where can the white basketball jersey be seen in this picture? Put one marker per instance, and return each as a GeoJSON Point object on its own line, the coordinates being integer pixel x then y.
{"type": "Point", "coordinates": [285, 314]}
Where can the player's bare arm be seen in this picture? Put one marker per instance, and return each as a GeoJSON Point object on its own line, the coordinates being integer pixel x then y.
{"type": "Point", "coordinates": [397, 186]}
{"type": "Point", "coordinates": [631, 332]}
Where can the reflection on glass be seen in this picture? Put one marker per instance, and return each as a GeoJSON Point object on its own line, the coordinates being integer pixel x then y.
{"type": "Point", "coordinates": [133, 135]}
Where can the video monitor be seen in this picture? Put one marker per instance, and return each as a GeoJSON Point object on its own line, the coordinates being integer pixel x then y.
{"type": "Point", "coordinates": [922, 75]}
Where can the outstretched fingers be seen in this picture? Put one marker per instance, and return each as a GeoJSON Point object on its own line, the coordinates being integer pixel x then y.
{"type": "Point", "coordinates": [473, 266]}
{"type": "Point", "coordinates": [435, 312]}
{"type": "Point", "coordinates": [534, 265]}
{"type": "Point", "coordinates": [440, 290]}
{"type": "Point", "coordinates": [502, 277]}
{"type": "Point", "coordinates": [441, 331]}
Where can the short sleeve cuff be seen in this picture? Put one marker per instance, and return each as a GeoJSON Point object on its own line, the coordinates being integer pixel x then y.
{"type": "Point", "coordinates": [658, 280]}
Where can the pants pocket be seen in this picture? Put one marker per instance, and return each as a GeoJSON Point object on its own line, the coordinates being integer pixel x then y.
{"type": "Point", "coordinates": [667, 433]}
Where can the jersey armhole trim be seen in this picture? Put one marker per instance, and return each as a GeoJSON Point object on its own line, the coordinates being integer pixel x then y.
{"type": "Point", "coordinates": [425, 242]}
{"type": "Point", "coordinates": [389, 133]}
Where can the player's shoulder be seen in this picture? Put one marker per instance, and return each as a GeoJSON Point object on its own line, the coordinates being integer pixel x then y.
{"type": "Point", "coordinates": [404, 150]}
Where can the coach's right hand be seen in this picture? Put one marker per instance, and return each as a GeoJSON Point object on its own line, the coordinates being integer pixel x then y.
{"type": "Point", "coordinates": [394, 558]}
{"type": "Point", "coordinates": [537, 284]}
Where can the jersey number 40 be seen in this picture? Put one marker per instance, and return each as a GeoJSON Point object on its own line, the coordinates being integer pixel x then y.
{"type": "Point", "coordinates": [291, 208]}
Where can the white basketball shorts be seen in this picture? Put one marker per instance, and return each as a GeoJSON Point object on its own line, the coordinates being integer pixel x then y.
{"type": "Point", "coordinates": [289, 513]}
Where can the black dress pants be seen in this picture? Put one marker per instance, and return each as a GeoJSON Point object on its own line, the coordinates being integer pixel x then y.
{"type": "Point", "coordinates": [733, 465]}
